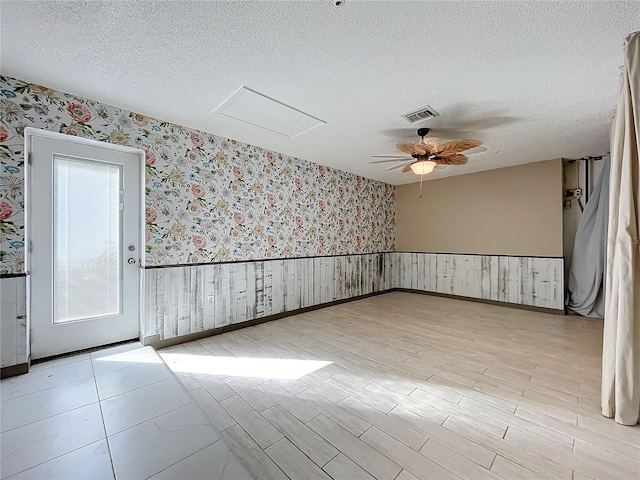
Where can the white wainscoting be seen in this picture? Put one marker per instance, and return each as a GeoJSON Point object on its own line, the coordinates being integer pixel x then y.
{"type": "Point", "coordinates": [194, 298]}
{"type": "Point", "coordinates": [13, 321]}
{"type": "Point", "coordinates": [190, 299]}
{"type": "Point", "coordinates": [533, 281]}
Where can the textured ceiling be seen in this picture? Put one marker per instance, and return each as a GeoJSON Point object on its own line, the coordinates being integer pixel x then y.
{"type": "Point", "coordinates": [533, 80]}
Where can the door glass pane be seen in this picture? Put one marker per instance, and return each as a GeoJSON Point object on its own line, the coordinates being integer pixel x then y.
{"type": "Point", "coordinates": [87, 239]}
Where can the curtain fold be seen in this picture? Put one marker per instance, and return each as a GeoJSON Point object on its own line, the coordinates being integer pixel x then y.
{"type": "Point", "coordinates": [621, 340]}
{"type": "Point", "coordinates": [586, 275]}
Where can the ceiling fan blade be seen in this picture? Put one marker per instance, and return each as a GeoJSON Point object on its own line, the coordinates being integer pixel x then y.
{"type": "Point", "coordinates": [397, 159]}
{"type": "Point", "coordinates": [456, 146]}
{"type": "Point", "coordinates": [406, 147]}
{"type": "Point", "coordinates": [433, 143]}
{"type": "Point", "coordinates": [476, 150]}
{"type": "Point", "coordinates": [395, 167]}
{"type": "Point", "coordinates": [421, 149]}
{"type": "Point", "coordinates": [388, 156]}
{"type": "Point", "coordinates": [407, 168]}
{"type": "Point", "coordinates": [442, 167]}
{"type": "Point", "coordinates": [425, 148]}
{"type": "Point", "coordinates": [453, 160]}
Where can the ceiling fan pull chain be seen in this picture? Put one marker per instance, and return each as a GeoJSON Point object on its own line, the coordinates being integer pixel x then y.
{"type": "Point", "coordinates": [421, 177]}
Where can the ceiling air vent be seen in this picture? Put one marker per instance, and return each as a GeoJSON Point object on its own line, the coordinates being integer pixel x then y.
{"type": "Point", "coordinates": [419, 115]}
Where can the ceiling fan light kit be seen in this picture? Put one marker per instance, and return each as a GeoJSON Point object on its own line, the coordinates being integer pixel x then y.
{"type": "Point", "coordinates": [423, 167]}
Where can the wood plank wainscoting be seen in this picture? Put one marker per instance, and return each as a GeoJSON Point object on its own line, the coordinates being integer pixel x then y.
{"type": "Point", "coordinates": [531, 281]}
{"type": "Point", "coordinates": [187, 299]}
{"type": "Point", "coordinates": [184, 301]}
{"type": "Point", "coordinates": [14, 353]}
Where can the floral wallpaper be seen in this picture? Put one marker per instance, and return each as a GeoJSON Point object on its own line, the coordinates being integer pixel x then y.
{"type": "Point", "coordinates": [208, 198]}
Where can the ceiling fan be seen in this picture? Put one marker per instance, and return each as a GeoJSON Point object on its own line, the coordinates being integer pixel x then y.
{"type": "Point", "coordinates": [428, 153]}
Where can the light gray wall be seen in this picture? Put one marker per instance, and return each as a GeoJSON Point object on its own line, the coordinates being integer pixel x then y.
{"type": "Point", "coordinates": [506, 211]}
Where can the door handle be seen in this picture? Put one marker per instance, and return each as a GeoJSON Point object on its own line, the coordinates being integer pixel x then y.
{"type": "Point", "coordinates": [131, 261]}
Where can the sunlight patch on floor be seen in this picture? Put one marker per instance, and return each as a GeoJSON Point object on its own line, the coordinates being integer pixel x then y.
{"type": "Point", "coordinates": [141, 355]}
{"type": "Point", "coordinates": [281, 368]}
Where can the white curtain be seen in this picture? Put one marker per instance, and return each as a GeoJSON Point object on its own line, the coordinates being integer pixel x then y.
{"type": "Point", "coordinates": [621, 346]}
{"type": "Point", "coordinates": [585, 293]}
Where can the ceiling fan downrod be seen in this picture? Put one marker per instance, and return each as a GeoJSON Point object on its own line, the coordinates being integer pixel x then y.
{"type": "Point", "coordinates": [423, 132]}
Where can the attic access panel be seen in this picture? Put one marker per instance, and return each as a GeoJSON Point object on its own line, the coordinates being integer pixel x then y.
{"type": "Point", "coordinates": [257, 109]}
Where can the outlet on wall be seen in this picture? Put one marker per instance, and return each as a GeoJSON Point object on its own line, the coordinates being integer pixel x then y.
{"type": "Point", "coordinates": [573, 193]}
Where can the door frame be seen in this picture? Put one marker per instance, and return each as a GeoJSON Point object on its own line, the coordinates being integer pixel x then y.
{"type": "Point", "coordinates": [31, 132]}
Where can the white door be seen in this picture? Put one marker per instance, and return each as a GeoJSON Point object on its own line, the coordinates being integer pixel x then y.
{"type": "Point", "coordinates": [83, 221]}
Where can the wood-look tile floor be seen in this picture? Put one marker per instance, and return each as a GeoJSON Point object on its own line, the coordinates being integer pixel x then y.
{"type": "Point", "coordinates": [404, 386]}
